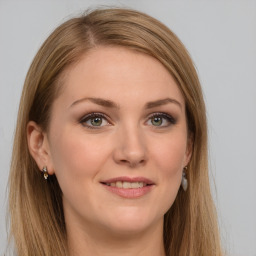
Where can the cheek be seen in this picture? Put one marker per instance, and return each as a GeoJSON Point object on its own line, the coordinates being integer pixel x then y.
{"type": "Point", "coordinates": [169, 158]}
{"type": "Point", "coordinates": [77, 155]}
{"type": "Point", "coordinates": [170, 155]}
{"type": "Point", "coordinates": [77, 159]}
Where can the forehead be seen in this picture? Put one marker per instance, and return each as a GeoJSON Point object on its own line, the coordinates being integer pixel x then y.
{"type": "Point", "coordinates": [118, 73]}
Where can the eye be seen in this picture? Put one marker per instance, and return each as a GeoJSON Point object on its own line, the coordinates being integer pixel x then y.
{"type": "Point", "coordinates": [94, 120]}
{"type": "Point", "coordinates": [161, 120]}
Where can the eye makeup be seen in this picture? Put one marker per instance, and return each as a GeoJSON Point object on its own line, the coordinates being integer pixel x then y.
{"type": "Point", "coordinates": [95, 120]}
{"type": "Point", "coordinates": [160, 119]}
{"type": "Point", "coordinates": [98, 120]}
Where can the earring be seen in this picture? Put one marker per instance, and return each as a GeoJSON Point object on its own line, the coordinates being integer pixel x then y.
{"type": "Point", "coordinates": [45, 172]}
{"type": "Point", "coordinates": [184, 181]}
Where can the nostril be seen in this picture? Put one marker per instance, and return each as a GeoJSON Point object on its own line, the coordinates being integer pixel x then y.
{"type": "Point", "coordinates": [130, 153]}
{"type": "Point", "coordinates": [132, 163]}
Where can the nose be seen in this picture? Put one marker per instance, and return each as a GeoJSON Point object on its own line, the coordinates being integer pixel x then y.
{"type": "Point", "coordinates": [130, 149]}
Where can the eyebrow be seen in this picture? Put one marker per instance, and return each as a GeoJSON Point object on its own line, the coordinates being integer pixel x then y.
{"type": "Point", "coordinates": [161, 102]}
{"type": "Point", "coordinates": [111, 104]}
{"type": "Point", "coordinates": [98, 101]}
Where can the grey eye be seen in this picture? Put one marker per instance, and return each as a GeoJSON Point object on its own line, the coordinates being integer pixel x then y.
{"type": "Point", "coordinates": [161, 120]}
{"type": "Point", "coordinates": [156, 120]}
{"type": "Point", "coordinates": [94, 120]}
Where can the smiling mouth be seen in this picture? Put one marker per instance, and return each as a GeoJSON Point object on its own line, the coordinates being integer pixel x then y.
{"type": "Point", "coordinates": [126, 184]}
{"type": "Point", "coordinates": [129, 187]}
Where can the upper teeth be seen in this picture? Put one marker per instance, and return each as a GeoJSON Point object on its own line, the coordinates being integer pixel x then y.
{"type": "Point", "coordinates": [125, 184]}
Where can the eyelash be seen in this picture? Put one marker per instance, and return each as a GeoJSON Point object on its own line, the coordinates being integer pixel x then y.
{"type": "Point", "coordinates": [91, 116]}
{"type": "Point", "coordinates": [171, 120]}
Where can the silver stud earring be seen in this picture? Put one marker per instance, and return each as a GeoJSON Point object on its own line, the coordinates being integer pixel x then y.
{"type": "Point", "coordinates": [184, 181]}
{"type": "Point", "coordinates": [45, 172]}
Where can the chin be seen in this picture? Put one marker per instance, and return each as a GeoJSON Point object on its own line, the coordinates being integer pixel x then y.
{"type": "Point", "coordinates": [128, 230]}
{"type": "Point", "coordinates": [130, 223]}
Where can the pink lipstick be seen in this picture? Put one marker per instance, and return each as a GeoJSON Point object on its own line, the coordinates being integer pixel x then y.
{"type": "Point", "coordinates": [128, 187]}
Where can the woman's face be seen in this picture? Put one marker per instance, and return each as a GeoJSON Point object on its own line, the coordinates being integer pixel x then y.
{"type": "Point", "coordinates": [117, 141]}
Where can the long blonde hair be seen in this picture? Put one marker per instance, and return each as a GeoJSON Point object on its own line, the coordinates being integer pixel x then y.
{"type": "Point", "coordinates": [37, 223]}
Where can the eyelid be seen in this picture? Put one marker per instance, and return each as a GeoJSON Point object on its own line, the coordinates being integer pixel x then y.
{"type": "Point", "coordinates": [167, 116]}
{"type": "Point", "coordinates": [92, 115]}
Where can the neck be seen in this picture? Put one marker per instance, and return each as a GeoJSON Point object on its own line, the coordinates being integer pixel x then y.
{"type": "Point", "coordinates": [97, 241]}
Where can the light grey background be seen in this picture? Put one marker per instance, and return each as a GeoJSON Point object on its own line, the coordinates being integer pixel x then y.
{"type": "Point", "coordinates": [221, 37]}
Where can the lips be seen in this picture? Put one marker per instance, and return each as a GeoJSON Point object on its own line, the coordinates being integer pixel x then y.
{"type": "Point", "coordinates": [126, 184]}
{"type": "Point", "coordinates": [129, 187]}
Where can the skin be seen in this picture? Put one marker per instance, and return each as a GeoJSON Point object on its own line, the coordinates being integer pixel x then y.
{"type": "Point", "coordinates": [128, 142]}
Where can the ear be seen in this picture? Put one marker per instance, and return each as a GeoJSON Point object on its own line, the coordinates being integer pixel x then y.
{"type": "Point", "coordinates": [39, 147]}
{"type": "Point", "coordinates": [189, 150]}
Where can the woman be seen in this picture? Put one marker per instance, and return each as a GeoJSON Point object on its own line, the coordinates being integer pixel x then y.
{"type": "Point", "coordinates": [110, 151]}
